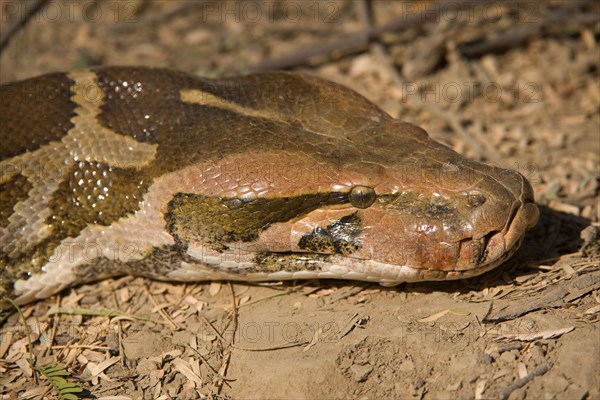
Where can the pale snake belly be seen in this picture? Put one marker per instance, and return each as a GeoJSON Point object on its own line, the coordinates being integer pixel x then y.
{"type": "Point", "coordinates": [273, 176]}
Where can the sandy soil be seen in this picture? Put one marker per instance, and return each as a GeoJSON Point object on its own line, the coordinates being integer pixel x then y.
{"type": "Point", "coordinates": [515, 84]}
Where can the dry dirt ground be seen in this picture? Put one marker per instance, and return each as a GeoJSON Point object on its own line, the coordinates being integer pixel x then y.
{"type": "Point", "coordinates": [511, 83]}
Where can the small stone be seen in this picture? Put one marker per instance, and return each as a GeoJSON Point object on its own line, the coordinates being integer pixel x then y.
{"type": "Point", "coordinates": [484, 358]}
{"type": "Point", "coordinates": [361, 372]}
{"type": "Point", "coordinates": [538, 355]}
{"type": "Point", "coordinates": [494, 355]}
{"type": "Point", "coordinates": [508, 357]}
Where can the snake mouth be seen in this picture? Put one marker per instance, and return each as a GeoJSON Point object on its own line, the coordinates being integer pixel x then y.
{"type": "Point", "coordinates": [498, 246]}
{"type": "Point", "coordinates": [480, 256]}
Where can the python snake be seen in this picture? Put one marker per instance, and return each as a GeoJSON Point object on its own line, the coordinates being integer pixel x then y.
{"type": "Point", "coordinates": [272, 176]}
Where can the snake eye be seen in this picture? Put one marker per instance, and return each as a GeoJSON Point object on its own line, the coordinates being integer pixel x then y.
{"type": "Point", "coordinates": [362, 196]}
{"type": "Point", "coordinates": [475, 200]}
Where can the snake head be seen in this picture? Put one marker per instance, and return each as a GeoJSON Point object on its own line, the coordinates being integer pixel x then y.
{"type": "Point", "coordinates": [437, 215]}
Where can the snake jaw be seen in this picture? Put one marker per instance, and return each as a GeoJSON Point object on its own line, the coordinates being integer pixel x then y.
{"type": "Point", "coordinates": [500, 244]}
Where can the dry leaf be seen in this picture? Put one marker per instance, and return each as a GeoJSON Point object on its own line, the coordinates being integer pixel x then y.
{"type": "Point", "coordinates": [435, 316]}
{"type": "Point", "coordinates": [442, 313]}
{"type": "Point", "coordinates": [214, 288]}
{"type": "Point", "coordinates": [528, 337]}
{"type": "Point", "coordinates": [568, 269]}
{"type": "Point", "coordinates": [37, 392]}
{"type": "Point", "coordinates": [314, 340]}
{"type": "Point", "coordinates": [96, 369]}
{"type": "Point", "coordinates": [186, 370]}
{"type": "Point", "coordinates": [322, 292]}
{"type": "Point", "coordinates": [480, 388]}
{"type": "Point", "coordinates": [5, 342]}
{"type": "Point", "coordinates": [207, 337]}
{"type": "Point", "coordinates": [23, 364]}
{"type": "Point", "coordinates": [160, 306]}
{"type": "Point", "coordinates": [521, 370]}
{"type": "Point", "coordinates": [592, 310]}
{"type": "Point", "coordinates": [124, 294]}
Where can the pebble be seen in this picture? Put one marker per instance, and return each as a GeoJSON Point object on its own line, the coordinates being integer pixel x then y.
{"type": "Point", "coordinates": [361, 372]}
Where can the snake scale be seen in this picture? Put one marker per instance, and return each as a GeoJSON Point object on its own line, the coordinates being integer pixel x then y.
{"type": "Point", "coordinates": [272, 176]}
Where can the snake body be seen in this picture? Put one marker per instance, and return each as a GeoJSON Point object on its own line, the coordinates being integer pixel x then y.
{"type": "Point", "coordinates": [273, 176]}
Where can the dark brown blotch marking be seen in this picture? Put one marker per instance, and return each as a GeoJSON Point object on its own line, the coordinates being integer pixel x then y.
{"type": "Point", "coordinates": [301, 99]}
{"type": "Point", "coordinates": [34, 112]}
{"type": "Point", "coordinates": [339, 237]}
{"type": "Point", "coordinates": [21, 266]}
{"type": "Point", "coordinates": [12, 192]}
{"type": "Point", "coordinates": [9, 272]}
{"type": "Point", "coordinates": [413, 204]}
{"type": "Point", "coordinates": [91, 193]}
{"type": "Point", "coordinates": [155, 265]}
{"type": "Point", "coordinates": [11, 269]}
{"type": "Point", "coordinates": [290, 262]}
{"type": "Point", "coordinates": [95, 193]}
{"type": "Point", "coordinates": [216, 220]}
{"type": "Point", "coordinates": [146, 105]}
